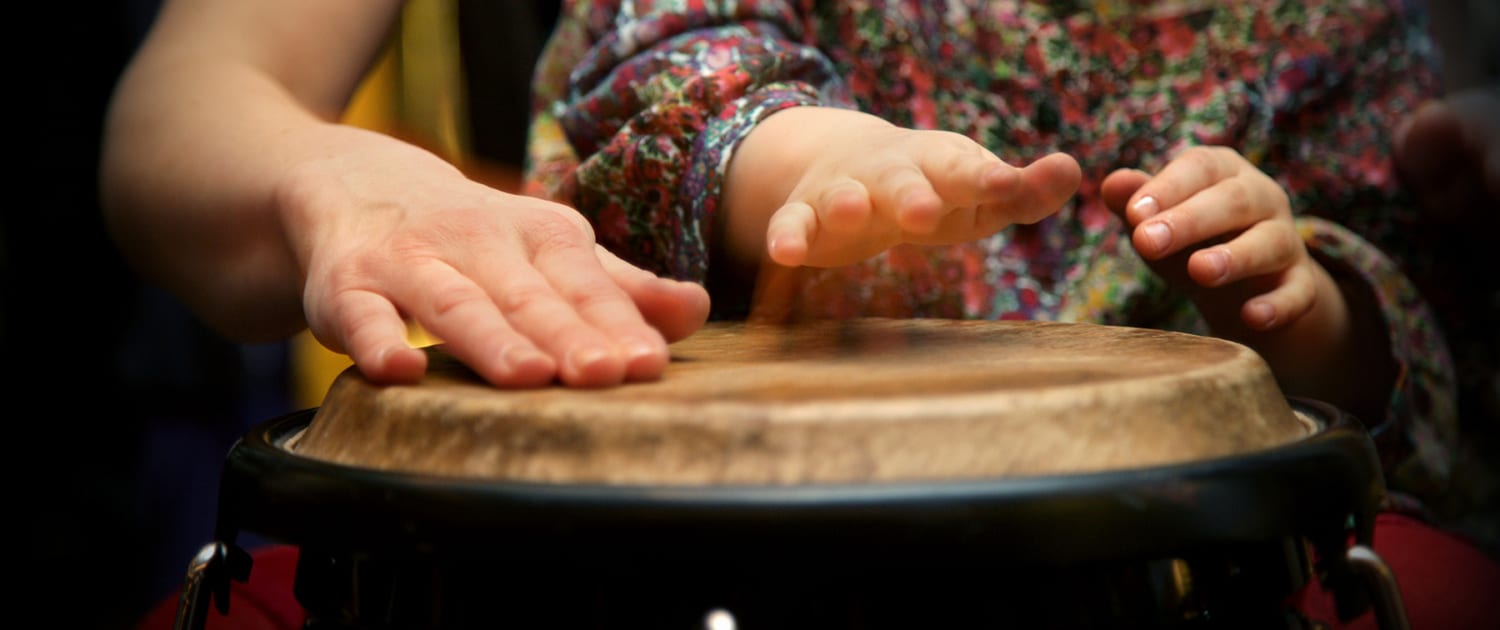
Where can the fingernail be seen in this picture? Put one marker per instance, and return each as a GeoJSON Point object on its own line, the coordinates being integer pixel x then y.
{"type": "Point", "coordinates": [1261, 314]}
{"type": "Point", "coordinates": [1159, 235]}
{"type": "Point", "coordinates": [581, 359]}
{"type": "Point", "coordinates": [1145, 207]}
{"type": "Point", "coordinates": [637, 349]}
{"type": "Point", "coordinates": [519, 358]}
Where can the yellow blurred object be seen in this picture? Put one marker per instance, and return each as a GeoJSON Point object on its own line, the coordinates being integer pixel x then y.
{"type": "Point", "coordinates": [314, 367]}
{"type": "Point", "coordinates": [415, 91]}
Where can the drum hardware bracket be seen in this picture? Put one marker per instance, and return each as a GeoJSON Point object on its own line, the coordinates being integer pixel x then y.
{"type": "Point", "coordinates": [1390, 611]}
{"type": "Point", "coordinates": [208, 577]}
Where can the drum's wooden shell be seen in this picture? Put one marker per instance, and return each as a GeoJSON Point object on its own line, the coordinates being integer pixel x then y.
{"type": "Point", "coordinates": [832, 402]}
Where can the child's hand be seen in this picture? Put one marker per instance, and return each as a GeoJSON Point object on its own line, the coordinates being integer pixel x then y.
{"type": "Point", "coordinates": [864, 186]}
{"type": "Point", "coordinates": [1216, 227]}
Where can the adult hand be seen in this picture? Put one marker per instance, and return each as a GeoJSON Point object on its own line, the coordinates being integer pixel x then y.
{"type": "Point", "coordinates": [514, 286]}
{"type": "Point", "coordinates": [1448, 151]}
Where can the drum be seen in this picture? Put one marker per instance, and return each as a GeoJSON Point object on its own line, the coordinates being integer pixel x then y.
{"type": "Point", "coordinates": [840, 474]}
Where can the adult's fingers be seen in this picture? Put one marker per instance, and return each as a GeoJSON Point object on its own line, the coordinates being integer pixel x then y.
{"type": "Point", "coordinates": [1429, 145]}
{"type": "Point", "coordinates": [575, 312]}
{"type": "Point", "coordinates": [675, 308]}
{"type": "Point", "coordinates": [1479, 109]}
{"type": "Point", "coordinates": [367, 327]}
{"type": "Point", "coordinates": [455, 308]}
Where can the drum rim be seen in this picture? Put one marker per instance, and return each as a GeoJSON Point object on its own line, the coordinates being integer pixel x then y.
{"type": "Point", "coordinates": [1323, 486]}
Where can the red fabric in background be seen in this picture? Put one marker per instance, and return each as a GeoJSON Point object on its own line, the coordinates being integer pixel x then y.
{"type": "Point", "coordinates": [1446, 583]}
{"type": "Point", "coordinates": [265, 602]}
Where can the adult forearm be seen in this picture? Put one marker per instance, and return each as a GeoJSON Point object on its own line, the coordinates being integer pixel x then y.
{"type": "Point", "coordinates": [219, 102]}
{"type": "Point", "coordinates": [191, 157]}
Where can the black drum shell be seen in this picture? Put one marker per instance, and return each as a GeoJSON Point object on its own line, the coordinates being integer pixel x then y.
{"type": "Point", "coordinates": [1110, 549]}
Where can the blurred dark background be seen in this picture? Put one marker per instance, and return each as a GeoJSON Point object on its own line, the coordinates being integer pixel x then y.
{"type": "Point", "coordinates": [122, 406]}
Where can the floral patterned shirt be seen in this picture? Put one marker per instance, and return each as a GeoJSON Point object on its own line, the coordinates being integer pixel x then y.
{"type": "Point", "coordinates": [638, 106]}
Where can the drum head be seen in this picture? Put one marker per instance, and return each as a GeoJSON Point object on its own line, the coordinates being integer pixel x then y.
{"type": "Point", "coordinates": [869, 468]}
{"type": "Point", "coordinates": [1323, 483]}
{"type": "Point", "coordinates": [832, 402]}
{"type": "Point", "coordinates": [1069, 437]}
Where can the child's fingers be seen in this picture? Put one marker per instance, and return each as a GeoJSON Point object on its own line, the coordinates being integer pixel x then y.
{"type": "Point", "coordinates": [1289, 301]}
{"type": "Point", "coordinates": [1045, 185]}
{"type": "Point", "coordinates": [1193, 170]}
{"type": "Point", "coordinates": [998, 181]}
{"type": "Point", "coordinates": [903, 192]}
{"type": "Point", "coordinates": [789, 231]}
{"type": "Point", "coordinates": [1226, 207]}
{"type": "Point", "coordinates": [844, 208]}
{"type": "Point", "coordinates": [1117, 189]}
{"type": "Point", "coordinates": [1041, 188]}
{"type": "Point", "coordinates": [1267, 247]}
{"type": "Point", "coordinates": [966, 175]}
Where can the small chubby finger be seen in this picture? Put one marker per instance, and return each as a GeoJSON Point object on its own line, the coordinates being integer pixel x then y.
{"type": "Point", "coordinates": [1045, 185]}
{"type": "Point", "coordinates": [1118, 188]}
{"type": "Point", "coordinates": [966, 177]}
{"type": "Point", "coordinates": [1227, 208]}
{"type": "Point", "coordinates": [1191, 171]}
{"type": "Point", "coordinates": [997, 182]}
{"type": "Point", "coordinates": [1267, 247]}
{"type": "Point", "coordinates": [844, 208]}
{"type": "Point", "coordinates": [919, 210]}
{"type": "Point", "coordinates": [903, 193]}
{"type": "Point", "coordinates": [1292, 298]}
{"type": "Point", "coordinates": [789, 232]}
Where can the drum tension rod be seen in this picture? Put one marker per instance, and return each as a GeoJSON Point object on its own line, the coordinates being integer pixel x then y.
{"type": "Point", "coordinates": [208, 577]}
{"type": "Point", "coordinates": [1390, 610]}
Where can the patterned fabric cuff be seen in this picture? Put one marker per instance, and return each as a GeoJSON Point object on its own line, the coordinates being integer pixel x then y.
{"type": "Point", "coordinates": [703, 183]}
{"type": "Point", "coordinates": [715, 145]}
{"type": "Point", "coordinates": [1423, 405]}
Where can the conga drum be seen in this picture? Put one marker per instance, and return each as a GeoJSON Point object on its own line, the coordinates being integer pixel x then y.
{"type": "Point", "coordinates": [867, 473]}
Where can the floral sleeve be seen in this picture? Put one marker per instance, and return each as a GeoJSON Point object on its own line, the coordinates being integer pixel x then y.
{"type": "Point", "coordinates": [1351, 92]}
{"type": "Point", "coordinates": [639, 105]}
{"type": "Point", "coordinates": [1420, 429]}
{"type": "Point", "coordinates": [657, 96]}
